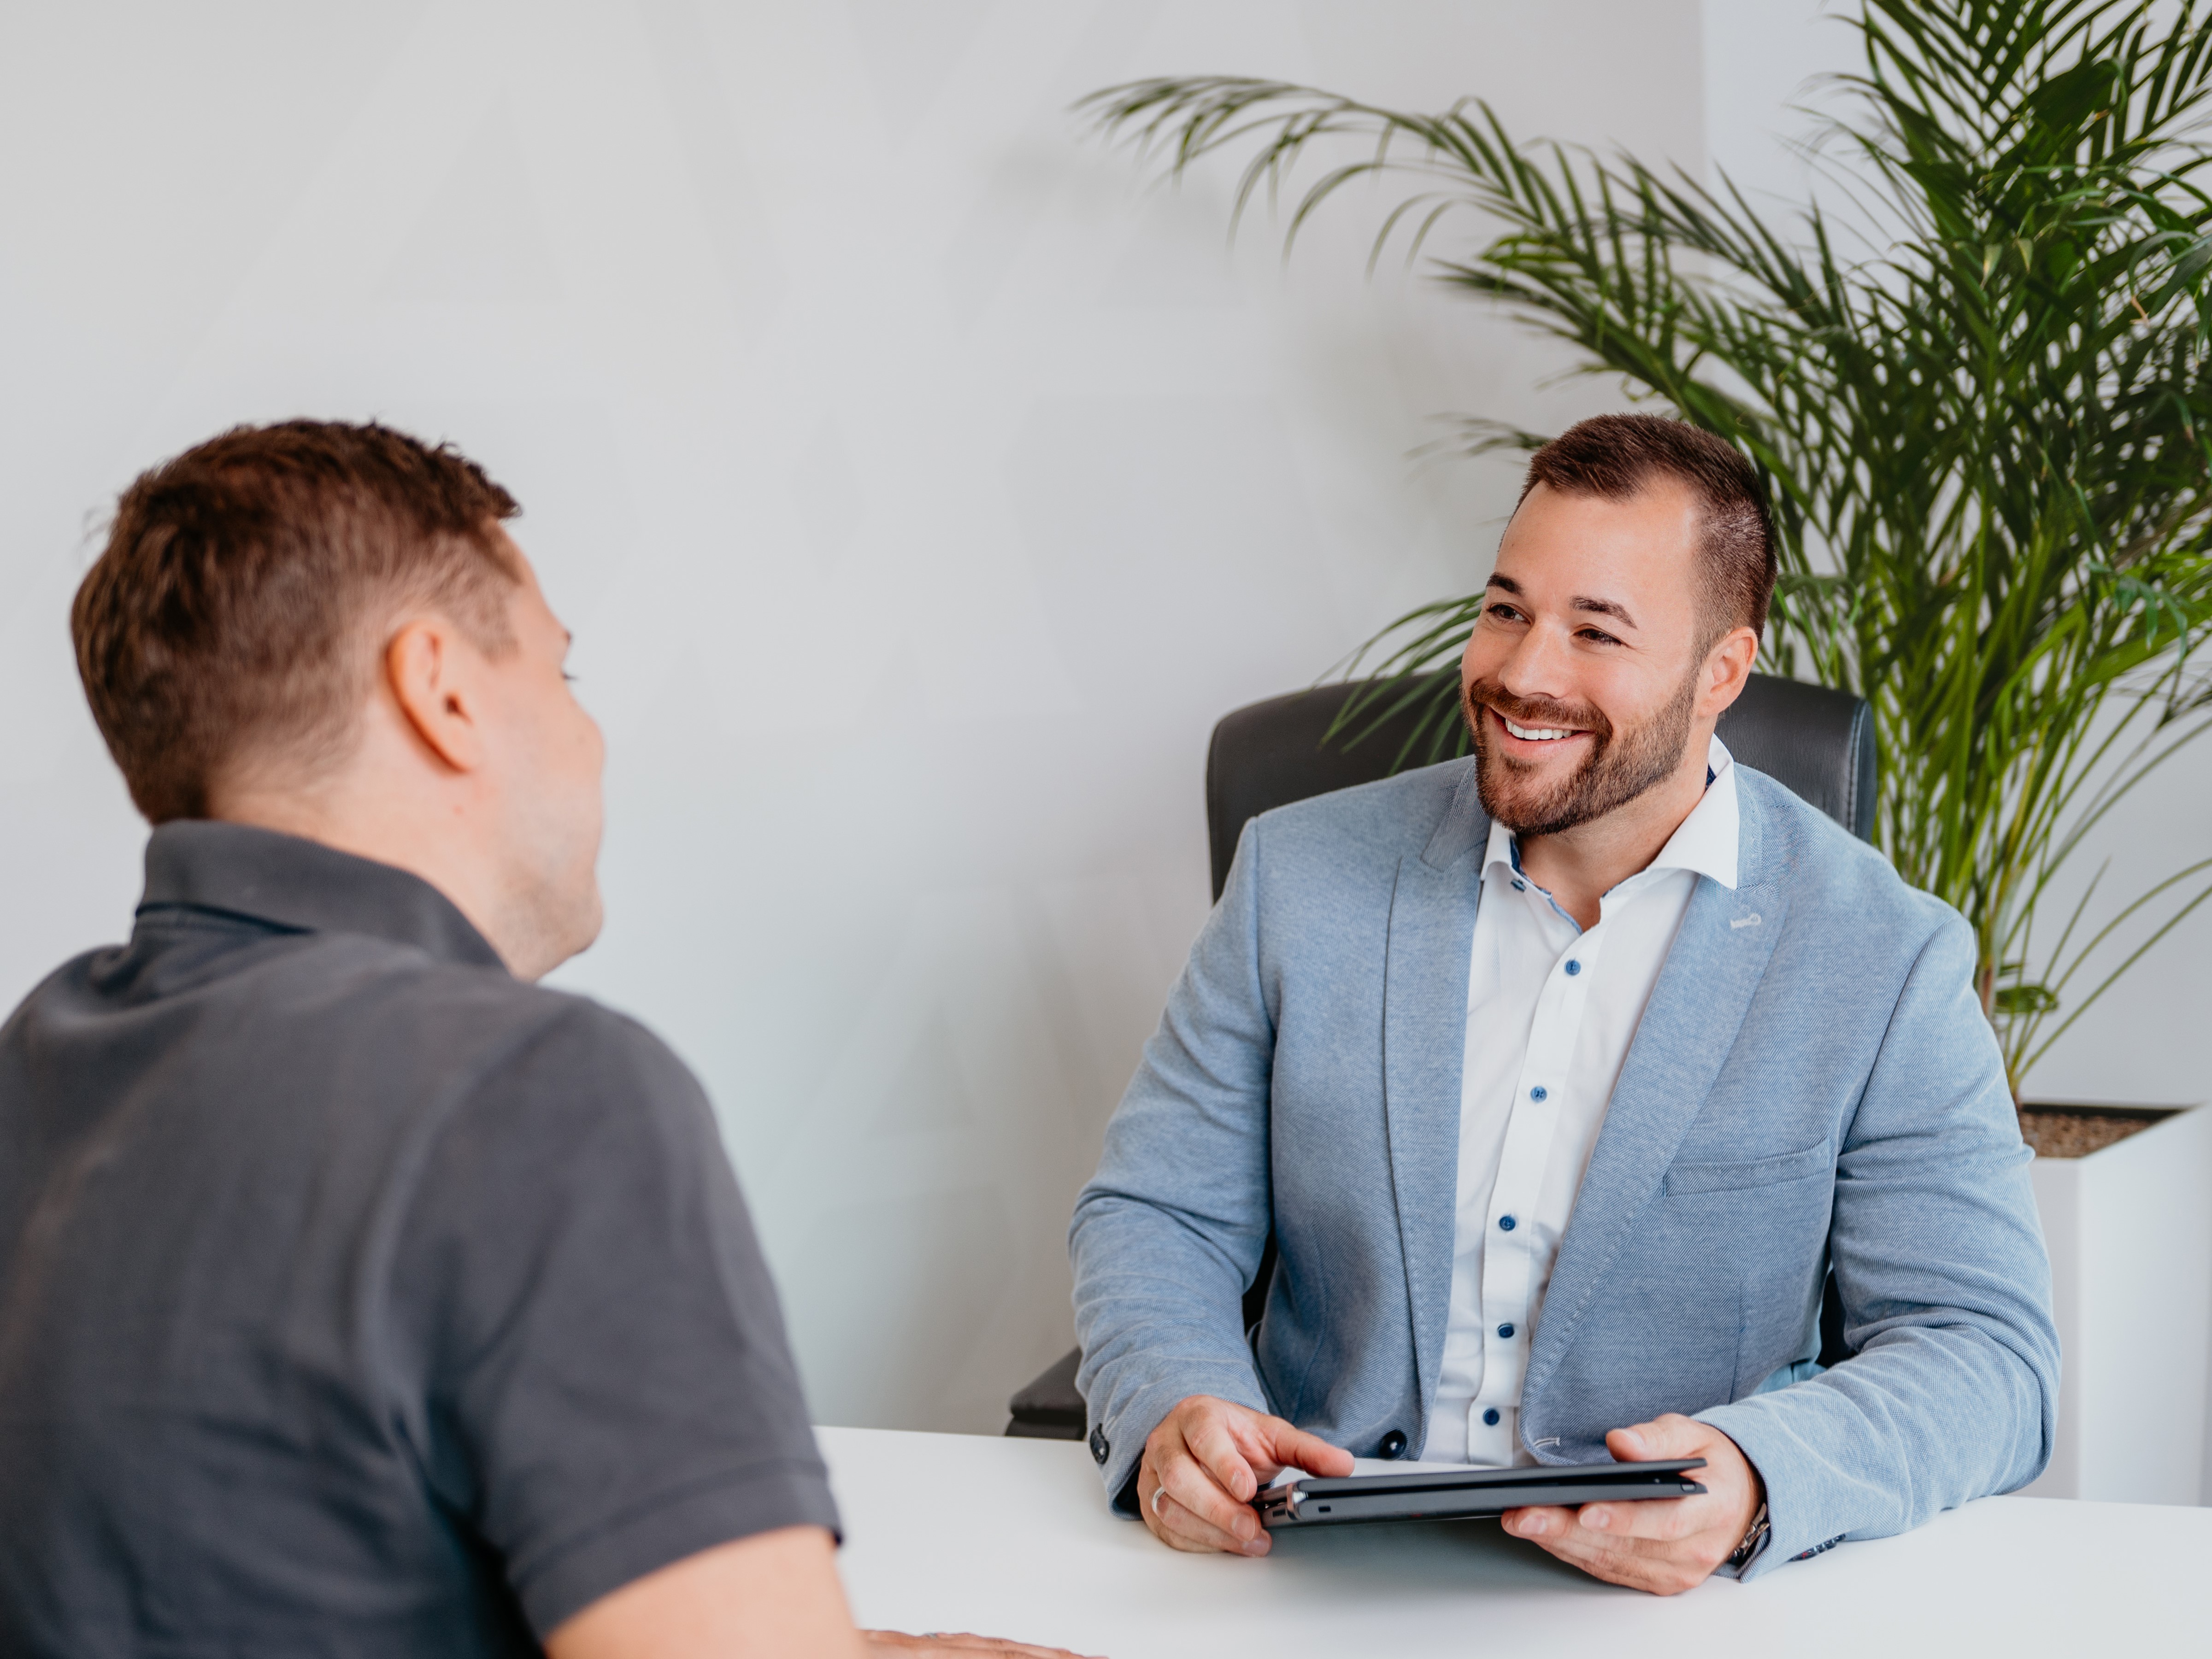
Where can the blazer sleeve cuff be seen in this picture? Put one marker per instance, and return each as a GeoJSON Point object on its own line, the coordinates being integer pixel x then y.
{"type": "Point", "coordinates": [1130, 1422]}
{"type": "Point", "coordinates": [1796, 1529]}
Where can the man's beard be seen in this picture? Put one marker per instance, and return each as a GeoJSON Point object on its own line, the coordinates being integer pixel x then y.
{"type": "Point", "coordinates": [1620, 766]}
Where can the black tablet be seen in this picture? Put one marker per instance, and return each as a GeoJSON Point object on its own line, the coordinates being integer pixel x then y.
{"type": "Point", "coordinates": [1450, 1494]}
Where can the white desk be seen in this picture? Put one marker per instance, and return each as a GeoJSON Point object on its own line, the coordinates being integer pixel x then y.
{"type": "Point", "coordinates": [1012, 1538]}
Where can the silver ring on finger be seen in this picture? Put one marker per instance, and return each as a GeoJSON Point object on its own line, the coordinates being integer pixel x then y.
{"type": "Point", "coordinates": [1158, 1493]}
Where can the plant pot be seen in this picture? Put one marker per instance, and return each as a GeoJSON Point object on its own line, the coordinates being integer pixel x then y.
{"type": "Point", "coordinates": [2128, 1223]}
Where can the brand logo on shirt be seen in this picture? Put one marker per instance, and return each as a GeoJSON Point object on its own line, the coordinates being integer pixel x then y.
{"type": "Point", "coordinates": [1750, 921]}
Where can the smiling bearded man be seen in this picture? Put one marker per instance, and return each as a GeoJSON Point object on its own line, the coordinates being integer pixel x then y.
{"type": "Point", "coordinates": [1561, 1076]}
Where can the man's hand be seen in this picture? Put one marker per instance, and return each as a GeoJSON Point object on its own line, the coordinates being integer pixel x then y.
{"type": "Point", "coordinates": [765, 1596]}
{"type": "Point", "coordinates": [891, 1640]}
{"type": "Point", "coordinates": [1207, 1462]}
{"type": "Point", "coordinates": [1663, 1545]}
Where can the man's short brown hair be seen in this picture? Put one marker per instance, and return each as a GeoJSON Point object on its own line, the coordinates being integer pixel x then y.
{"type": "Point", "coordinates": [1619, 456]}
{"type": "Point", "coordinates": [235, 615]}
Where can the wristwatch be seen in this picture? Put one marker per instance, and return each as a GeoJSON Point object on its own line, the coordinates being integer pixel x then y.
{"type": "Point", "coordinates": [1742, 1555]}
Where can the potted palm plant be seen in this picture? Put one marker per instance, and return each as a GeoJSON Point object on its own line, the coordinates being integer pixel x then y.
{"type": "Point", "coordinates": [1983, 413]}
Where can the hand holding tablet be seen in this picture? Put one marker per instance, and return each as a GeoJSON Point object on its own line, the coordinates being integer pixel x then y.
{"type": "Point", "coordinates": [1664, 1548]}
{"type": "Point", "coordinates": [1207, 1461]}
{"type": "Point", "coordinates": [1466, 1493]}
{"type": "Point", "coordinates": [1200, 1487]}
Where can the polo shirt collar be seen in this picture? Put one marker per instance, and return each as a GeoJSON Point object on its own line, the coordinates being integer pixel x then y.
{"type": "Point", "coordinates": [303, 886]}
{"type": "Point", "coordinates": [1706, 841]}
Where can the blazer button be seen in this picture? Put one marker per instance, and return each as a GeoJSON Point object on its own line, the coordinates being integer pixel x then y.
{"type": "Point", "coordinates": [1394, 1444]}
{"type": "Point", "coordinates": [1101, 1448]}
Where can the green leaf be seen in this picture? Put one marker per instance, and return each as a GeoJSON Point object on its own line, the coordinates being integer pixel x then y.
{"type": "Point", "coordinates": [2015, 999]}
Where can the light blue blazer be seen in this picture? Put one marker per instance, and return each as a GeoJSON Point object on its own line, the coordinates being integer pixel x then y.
{"type": "Point", "coordinates": [1814, 1081]}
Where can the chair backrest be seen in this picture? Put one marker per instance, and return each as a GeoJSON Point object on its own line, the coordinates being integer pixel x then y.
{"type": "Point", "coordinates": [1818, 742]}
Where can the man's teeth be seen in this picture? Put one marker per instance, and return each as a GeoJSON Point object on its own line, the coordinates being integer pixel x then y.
{"type": "Point", "coordinates": [1535, 734]}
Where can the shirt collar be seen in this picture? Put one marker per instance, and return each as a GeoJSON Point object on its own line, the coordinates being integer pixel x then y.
{"type": "Point", "coordinates": [303, 886]}
{"type": "Point", "coordinates": [1706, 841]}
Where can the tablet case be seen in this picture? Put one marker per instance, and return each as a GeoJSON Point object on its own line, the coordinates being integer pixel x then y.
{"type": "Point", "coordinates": [1455, 1494]}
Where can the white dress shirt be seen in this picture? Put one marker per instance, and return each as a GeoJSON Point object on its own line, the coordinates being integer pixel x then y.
{"type": "Point", "coordinates": [1551, 1010]}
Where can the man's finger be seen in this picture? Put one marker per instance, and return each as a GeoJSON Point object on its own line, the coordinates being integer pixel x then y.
{"type": "Point", "coordinates": [960, 1642]}
{"type": "Point", "coordinates": [1184, 1529]}
{"type": "Point", "coordinates": [1566, 1528]}
{"type": "Point", "coordinates": [1189, 1483]}
{"type": "Point", "coordinates": [1296, 1448]}
{"type": "Point", "coordinates": [1636, 1563]}
{"type": "Point", "coordinates": [1671, 1436]}
{"type": "Point", "coordinates": [1637, 1572]}
{"type": "Point", "coordinates": [1545, 1520]}
{"type": "Point", "coordinates": [1668, 1518]}
{"type": "Point", "coordinates": [1216, 1449]}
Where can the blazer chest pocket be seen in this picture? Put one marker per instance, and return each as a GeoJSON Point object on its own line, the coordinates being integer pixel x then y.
{"type": "Point", "coordinates": [1686, 1178]}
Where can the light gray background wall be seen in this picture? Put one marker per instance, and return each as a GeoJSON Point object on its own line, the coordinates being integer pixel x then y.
{"type": "Point", "coordinates": [921, 481]}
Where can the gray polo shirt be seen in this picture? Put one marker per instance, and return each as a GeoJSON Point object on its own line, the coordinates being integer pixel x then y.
{"type": "Point", "coordinates": [356, 1298]}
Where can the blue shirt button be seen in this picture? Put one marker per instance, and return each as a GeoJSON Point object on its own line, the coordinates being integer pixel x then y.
{"type": "Point", "coordinates": [1573, 967]}
{"type": "Point", "coordinates": [1490, 1415]}
{"type": "Point", "coordinates": [1506, 1224]}
{"type": "Point", "coordinates": [1506, 1331]}
{"type": "Point", "coordinates": [1539, 1092]}
{"type": "Point", "coordinates": [1520, 887]}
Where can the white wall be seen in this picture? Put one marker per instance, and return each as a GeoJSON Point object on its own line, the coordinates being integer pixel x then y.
{"type": "Point", "coordinates": [921, 483]}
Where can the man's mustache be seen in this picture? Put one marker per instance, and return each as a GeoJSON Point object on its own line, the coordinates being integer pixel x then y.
{"type": "Point", "coordinates": [1533, 711]}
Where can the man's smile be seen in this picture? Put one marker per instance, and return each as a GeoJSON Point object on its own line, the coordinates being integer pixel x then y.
{"type": "Point", "coordinates": [1526, 739]}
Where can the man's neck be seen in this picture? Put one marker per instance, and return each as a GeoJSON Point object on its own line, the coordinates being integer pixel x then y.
{"type": "Point", "coordinates": [1579, 866]}
{"type": "Point", "coordinates": [369, 824]}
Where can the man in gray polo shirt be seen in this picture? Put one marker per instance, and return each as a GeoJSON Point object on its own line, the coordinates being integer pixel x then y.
{"type": "Point", "coordinates": [358, 1296]}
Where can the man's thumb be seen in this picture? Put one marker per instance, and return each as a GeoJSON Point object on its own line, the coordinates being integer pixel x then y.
{"type": "Point", "coordinates": [1645, 1443]}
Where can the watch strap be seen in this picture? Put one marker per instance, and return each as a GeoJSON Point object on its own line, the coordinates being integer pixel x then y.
{"type": "Point", "coordinates": [1741, 1556]}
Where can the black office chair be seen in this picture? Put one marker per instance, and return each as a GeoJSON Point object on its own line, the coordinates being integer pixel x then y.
{"type": "Point", "coordinates": [1818, 742]}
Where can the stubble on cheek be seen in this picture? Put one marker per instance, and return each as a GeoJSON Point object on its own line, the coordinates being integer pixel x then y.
{"type": "Point", "coordinates": [1510, 787]}
{"type": "Point", "coordinates": [1618, 767]}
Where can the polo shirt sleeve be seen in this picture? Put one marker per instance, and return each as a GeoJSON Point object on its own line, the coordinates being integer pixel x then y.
{"type": "Point", "coordinates": [605, 1385]}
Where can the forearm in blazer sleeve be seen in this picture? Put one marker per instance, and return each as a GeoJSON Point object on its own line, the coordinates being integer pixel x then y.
{"type": "Point", "coordinates": [1171, 1231]}
{"type": "Point", "coordinates": [1939, 1258]}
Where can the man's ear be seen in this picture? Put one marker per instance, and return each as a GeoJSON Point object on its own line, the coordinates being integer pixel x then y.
{"type": "Point", "coordinates": [429, 668]}
{"type": "Point", "coordinates": [1728, 670]}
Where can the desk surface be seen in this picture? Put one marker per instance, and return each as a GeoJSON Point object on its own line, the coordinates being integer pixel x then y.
{"type": "Point", "coordinates": [1012, 1538]}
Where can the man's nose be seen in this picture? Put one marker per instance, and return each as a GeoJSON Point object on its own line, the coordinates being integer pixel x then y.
{"type": "Point", "coordinates": [1537, 666]}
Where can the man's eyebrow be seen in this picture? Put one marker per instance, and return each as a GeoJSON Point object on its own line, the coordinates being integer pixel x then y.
{"type": "Point", "coordinates": [1606, 608]}
{"type": "Point", "coordinates": [1601, 607]}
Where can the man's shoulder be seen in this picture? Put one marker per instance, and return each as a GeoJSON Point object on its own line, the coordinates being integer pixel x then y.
{"type": "Point", "coordinates": [481, 1019]}
{"type": "Point", "coordinates": [1831, 872]}
{"type": "Point", "coordinates": [1379, 821]}
{"type": "Point", "coordinates": [514, 1071]}
{"type": "Point", "coordinates": [371, 1008]}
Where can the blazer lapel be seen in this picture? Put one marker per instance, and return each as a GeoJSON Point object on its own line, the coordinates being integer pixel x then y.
{"type": "Point", "coordinates": [1691, 1023]}
{"type": "Point", "coordinates": [1424, 1042]}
